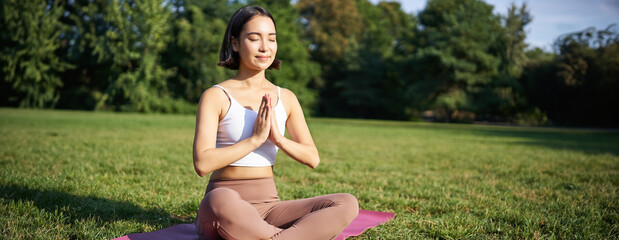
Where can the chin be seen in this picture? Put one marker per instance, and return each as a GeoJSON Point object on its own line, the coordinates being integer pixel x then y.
{"type": "Point", "coordinates": [263, 66]}
{"type": "Point", "coordinates": [259, 66]}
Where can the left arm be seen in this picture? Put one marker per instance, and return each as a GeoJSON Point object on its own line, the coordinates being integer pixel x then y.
{"type": "Point", "coordinates": [300, 146]}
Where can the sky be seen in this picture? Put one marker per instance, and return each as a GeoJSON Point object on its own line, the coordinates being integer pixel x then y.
{"type": "Point", "coordinates": [551, 18]}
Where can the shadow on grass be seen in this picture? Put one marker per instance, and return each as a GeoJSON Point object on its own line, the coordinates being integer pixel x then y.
{"type": "Point", "coordinates": [589, 142]}
{"type": "Point", "coordinates": [79, 207]}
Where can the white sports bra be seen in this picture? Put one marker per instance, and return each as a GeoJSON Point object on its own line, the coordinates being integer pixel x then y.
{"type": "Point", "coordinates": [238, 124]}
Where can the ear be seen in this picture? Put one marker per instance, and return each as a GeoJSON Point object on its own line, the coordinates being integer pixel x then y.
{"type": "Point", "coordinates": [235, 44]}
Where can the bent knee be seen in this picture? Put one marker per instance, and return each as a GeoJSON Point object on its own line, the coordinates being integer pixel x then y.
{"type": "Point", "coordinates": [219, 199]}
{"type": "Point", "coordinates": [350, 204]}
{"type": "Point", "coordinates": [348, 199]}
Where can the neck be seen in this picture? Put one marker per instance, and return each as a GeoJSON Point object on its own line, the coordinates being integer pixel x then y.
{"type": "Point", "coordinates": [251, 78]}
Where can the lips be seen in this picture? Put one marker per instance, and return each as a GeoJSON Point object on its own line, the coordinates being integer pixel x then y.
{"type": "Point", "coordinates": [263, 58]}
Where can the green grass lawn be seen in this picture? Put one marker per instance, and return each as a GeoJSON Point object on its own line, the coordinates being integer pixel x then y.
{"type": "Point", "coordinates": [85, 175]}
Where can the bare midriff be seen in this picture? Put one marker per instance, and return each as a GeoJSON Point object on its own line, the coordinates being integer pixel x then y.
{"type": "Point", "coordinates": [232, 172]}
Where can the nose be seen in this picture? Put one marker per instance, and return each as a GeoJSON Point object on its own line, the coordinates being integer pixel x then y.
{"type": "Point", "coordinates": [263, 45]}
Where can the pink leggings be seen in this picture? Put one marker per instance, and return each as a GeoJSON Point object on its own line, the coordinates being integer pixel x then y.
{"type": "Point", "coordinates": [251, 209]}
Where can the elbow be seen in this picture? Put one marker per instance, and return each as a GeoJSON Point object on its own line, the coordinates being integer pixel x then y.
{"type": "Point", "coordinates": [199, 168]}
{"type": "Point", "coordinates": [200, 172]}
{"type": "Point", "coordinates": [314, 163]}
{"type": "Point", "coordinates": [315, 160]}
{"type": "Point", "coordinates": [313, 166]}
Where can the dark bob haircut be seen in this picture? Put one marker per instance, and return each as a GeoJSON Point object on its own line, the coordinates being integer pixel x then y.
{"type": "Point", "coordinates": [227, 56]}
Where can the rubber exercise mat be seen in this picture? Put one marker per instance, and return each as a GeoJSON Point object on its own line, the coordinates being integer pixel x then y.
{"type": "Point", "coordinates": [365, 220]}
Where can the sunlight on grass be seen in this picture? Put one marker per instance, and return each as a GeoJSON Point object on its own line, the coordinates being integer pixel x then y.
{"type": "Point", "coordinates": [83, 175]}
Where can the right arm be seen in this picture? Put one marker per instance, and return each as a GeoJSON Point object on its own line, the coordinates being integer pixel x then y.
{"type": "Point", "coordinates": [206, 156]}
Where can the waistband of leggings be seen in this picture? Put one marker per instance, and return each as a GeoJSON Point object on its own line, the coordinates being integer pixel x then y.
{"type": "Point", "coordinates": [255, 190]}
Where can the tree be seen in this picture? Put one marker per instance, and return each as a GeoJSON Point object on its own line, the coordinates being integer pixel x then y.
{"type": "Point", "coordinates": [455, 59]}
{"type": "Point", "coordinates": [194, 51]}
{"type": "Point", "coordinates": [135, 35]}
{"type": "Point", "coordinates": [330, 25]}
{"type": "Point", "coordinates": [576, 85]}
{"type": "Point", "coordinates": [586, 78]}
{"type": "Point", "coordinates": [371, 87]}
{"type": "Point", "coordinates": [83, 85]}
{"type": "Point", "coordinates": [30, 35]}
{"type": "Point", "coordinates": [504, 96]}
{"type": "Point", "coordinates": [513, 45]}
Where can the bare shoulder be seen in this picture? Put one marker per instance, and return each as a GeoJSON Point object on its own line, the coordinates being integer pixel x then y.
{"type": "Point", "coordinates": [288, 96]}
{"type": "Point", "coordinates": [291, 103]}
{"type": "Point", "coordinates": [213, 95]}
{"type": "Point", "coordinates": [214, 101]}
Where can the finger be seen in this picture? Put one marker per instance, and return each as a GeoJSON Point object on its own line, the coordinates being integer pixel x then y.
{"type": "Point", "coordinates": [264, 102]}
{"type": "Point", "coordinates": [263, 107]}
{"type": "Point", "coordinates": [267, 107]}
{"type": "Point", "coordinates": [268, 100]}
{"type": "Point", "coordinates": [269, 110]}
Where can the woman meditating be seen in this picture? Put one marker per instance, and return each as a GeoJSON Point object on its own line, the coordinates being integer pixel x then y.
{"type": "Point", "coordinates": [240, 126]}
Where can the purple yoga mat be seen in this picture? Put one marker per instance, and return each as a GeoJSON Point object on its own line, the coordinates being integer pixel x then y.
{"type": "Point", "coordinates": [365, 220]}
